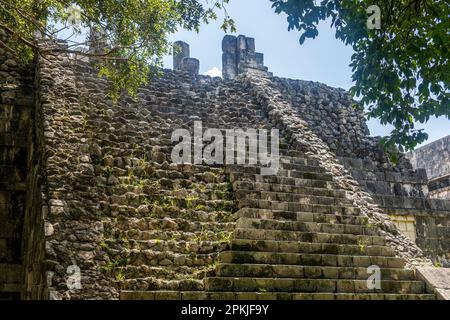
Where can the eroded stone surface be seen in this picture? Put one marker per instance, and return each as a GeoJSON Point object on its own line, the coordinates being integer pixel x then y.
{"type": "Point", "coordinates": [104, 196]}
{"type": "Point", "coordinates": [437, 280]}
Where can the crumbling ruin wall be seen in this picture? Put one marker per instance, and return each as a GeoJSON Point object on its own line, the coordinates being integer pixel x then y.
{"type": "Point", "coordinates": [107, 211]}
{"type": "Point", "coordinates": [435, 159]}
{"type": "Point", "coordinates": [330, 113]}
{"type": "Point", "coordinates": [239, 57]}
{"type": "Point", "coordinates": [401, 189]}
{"type": "Point", "coordinates": [116, 210]}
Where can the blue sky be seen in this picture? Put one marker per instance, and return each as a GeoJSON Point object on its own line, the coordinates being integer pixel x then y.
{"type": "Point", "coordinates": [323, 59]}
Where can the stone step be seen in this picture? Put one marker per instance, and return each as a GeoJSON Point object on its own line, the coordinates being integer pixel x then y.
{"type": "Point", "coordinates": [299, 159]}
{"type": "Point", "coordinates": [173, 272]}
{"type": "Point", "coordinates": [182, 178]}
{"type": "Point", "coordinates": [131, 206]}
{"type": "Point", "coordinates": [260, 234]}
{"type": "Point", "coordinates": [283, 152]}
{"type": "Point", "coordinates": [291, 177]}
{"type": "Point", "coordinates": [281, 173]}
{"type": "Point", "coordinates": [283, 181]}
{"type": "Point", "coordinates": [200, 215]}
{"type": "Point", "coordinates": [302, 190]}
{"type": "Point", "coordinates": [309, 247]}
{"type": "Point", "coordinates": [296, 182]}
{"type": "Point", "coordinates": [267, 224]}
{"type": "Point", "coordinates": [311, 285]}
{"type": "Point", "coordinates": [187, 169]}
{"type": "Point", "coordinates": [166, 259]}
{"type": "Point", "coordinates": [173, 235]}
{"type": "Point", "coordinates": [309, 272]}
{"type": "Point", "coordinates": [155, 283]}
{"type": "Point", "coordinates": [201, 295]}
{"type": "Point", "coordinates": [168, 246]}
{"type": "Point", "coordinates": [294, 153]}
{"type": "Point", "coordinates": [300, 216]}
{"type": "Point", "coordinates": [285, 169]}
{"type": "Point", "coordinates": [313, 166]}
{"type": "Point", "coordinates": [138, 210]}
{"type": "Point", "coordinates": [309, 259]}
{"type": "Point", "coordinates": [291, 197]}
{"type": "Point", "coordinates": [299, 207]}
{"type": "Point", "coordinates": [282, 142]}
{"type": "Point", "coordinates": [179, 224]}
{"type": "Point", "coordinates": [209, 205]}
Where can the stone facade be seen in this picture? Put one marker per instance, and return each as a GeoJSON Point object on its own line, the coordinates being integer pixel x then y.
{"type": "Point", "coordinates": [182, 60]}
{"type": "Point", "coordinates": [239, 57]}
{"type": "Point", "coordinates": [103, 213]}
{"type": "Point", "coordinates": [435, 159]}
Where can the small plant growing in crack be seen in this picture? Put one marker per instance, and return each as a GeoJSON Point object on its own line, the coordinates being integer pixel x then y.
{"type": "Point", "coordinates": [362, 245]}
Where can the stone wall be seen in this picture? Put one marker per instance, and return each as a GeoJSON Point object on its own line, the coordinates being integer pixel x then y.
{"type": "Point", "coordinates": [403, 192]}
{"type": "Point", "coordinates": [401, 189]}
{"type": "Point", "coordinates": [435, 159]}
{"type": "Point", "coordinates": [433, 235]}
{"type": "Point", "coordinates": [112, 200]}
{"type": "Point", "coordinates": [16, 122]}
{"type": "Point", "coordinates": [329, 112]}
{"type": "Point", "coordinates": [36, 267]}
{"type": "Point", "coordinates": [106, 210]}
{"type": "Point", "coordinates": [239, 57]}
{"type": "Point", "coordinates": [182, 60]}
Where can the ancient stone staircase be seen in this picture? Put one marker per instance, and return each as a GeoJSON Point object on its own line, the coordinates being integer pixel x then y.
{"type": "Point", "coordinates": [173, 243]}
{"type": "Point", "coordinates": [298, 237]}
{"type": "Point", "coordinates": [98, 190]}
{"type": "Point", "coordinates": [145, 228]}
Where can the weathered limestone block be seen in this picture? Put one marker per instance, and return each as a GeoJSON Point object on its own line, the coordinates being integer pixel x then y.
{"type": "Point", "coordinates": [229, 57]}
{"type": "Point", "coordinates": [190, 65]}
{"type": "Point", "coordinates": [182, 60]}
{"type": "Point", "coordinates": [239, 57]}
{"type": "Point", "coordinates": [437, 281]}
{"type": "Point", "coordinates": [259, 57]}
{"type": "Point", "coordinates": [132, 220]}
{"type": "Point", "coordinates": [435, 159]}
{"type": "Point", "coordinates": [181, 51]}
{"type": "Point", "coordinates": [229, 44]}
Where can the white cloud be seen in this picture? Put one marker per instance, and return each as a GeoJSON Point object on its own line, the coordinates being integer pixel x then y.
{"type": "Point", "coordinates": [214, 72]}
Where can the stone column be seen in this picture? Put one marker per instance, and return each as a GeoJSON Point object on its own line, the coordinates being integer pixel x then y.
{"type": "Point", "coordinates": [190, 65]}
{"type": "Point", "coordinates": [181, 51]}
{"type": "Point", "coordinates": [229, 57]}
{"type": "Point", "coordinates": [239, 57]}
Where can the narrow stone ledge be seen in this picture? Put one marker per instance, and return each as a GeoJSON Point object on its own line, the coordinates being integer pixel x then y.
{"type": "Point", "coordinates": [437, 281]}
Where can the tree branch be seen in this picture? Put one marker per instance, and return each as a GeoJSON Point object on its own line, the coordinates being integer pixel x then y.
{"type": "Point", "coordinates": [7, 48]}
{"type": "Point", "coordinates": [12, 32]}
{"type": "Point", "coordinates": [41, 28]}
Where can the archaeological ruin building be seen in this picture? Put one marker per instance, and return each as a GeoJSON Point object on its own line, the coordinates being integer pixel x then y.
{"type": "Point", "coordinates": [92, 207]}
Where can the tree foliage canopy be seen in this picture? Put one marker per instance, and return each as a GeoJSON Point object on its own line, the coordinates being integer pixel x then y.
{"type": "Point", "coordinates": [133, 33]}
{"type": "Point", "coordinates": [401, 72]}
